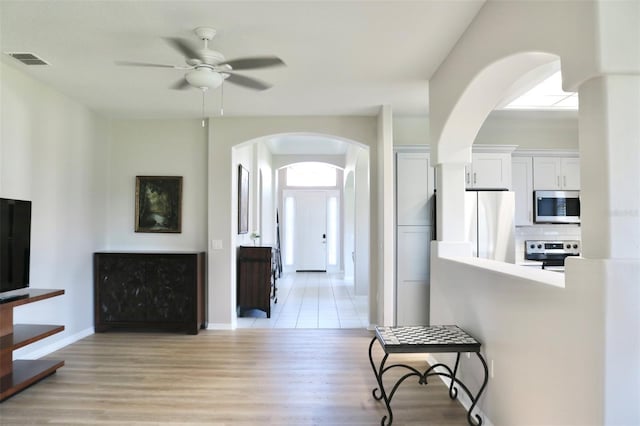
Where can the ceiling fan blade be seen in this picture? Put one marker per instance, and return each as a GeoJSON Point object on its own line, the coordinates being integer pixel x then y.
{"type": "Point", "coordinates": [144, 64]}
{"type": "Point", "coordinates": [181, 84]}
{"type": "Point", "coordinates": [248, 82]}
{"type": "Point", "coordinates": [254, 62]}
{"type": "Point", "coordinates": [184, 47]}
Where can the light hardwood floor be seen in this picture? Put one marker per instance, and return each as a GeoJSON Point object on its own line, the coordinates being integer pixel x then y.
{"type": "Point", "coordinates": [241, 377]}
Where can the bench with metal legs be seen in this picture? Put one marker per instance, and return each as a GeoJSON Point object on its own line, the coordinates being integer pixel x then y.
{"type": "Point", "coordinates": [425, 339]}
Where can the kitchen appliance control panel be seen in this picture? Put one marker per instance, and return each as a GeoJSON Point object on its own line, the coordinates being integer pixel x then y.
{"type": "Point", "coordinates": [559, 247]}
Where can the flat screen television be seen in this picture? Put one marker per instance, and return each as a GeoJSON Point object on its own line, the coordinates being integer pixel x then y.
{"type": "Point", "coordinates": [15, 244]}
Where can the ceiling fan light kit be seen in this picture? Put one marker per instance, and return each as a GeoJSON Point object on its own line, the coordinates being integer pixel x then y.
{"type": "Point", "coordinates": [204, 78]}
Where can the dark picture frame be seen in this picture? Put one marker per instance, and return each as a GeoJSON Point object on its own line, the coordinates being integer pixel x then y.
{"type": "Point", "coordinates": [243, 200]}
{"type": "Point", "coordinates": [159, 204]}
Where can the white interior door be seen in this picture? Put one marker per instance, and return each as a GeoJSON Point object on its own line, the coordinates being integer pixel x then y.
{"type": "Point", "coordinates": [310, 231]}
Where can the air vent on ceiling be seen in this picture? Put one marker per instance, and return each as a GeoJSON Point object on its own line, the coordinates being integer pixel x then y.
{"type": "Point", "coordinates": [28, 58]}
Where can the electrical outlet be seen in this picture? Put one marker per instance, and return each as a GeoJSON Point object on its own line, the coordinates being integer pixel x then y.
{"type": "Point", "coordinates": [216, 244]}
{"type": "Point", "coordinates": [468, 355]}
{"type": "Point", "coordinates": [491, 370]}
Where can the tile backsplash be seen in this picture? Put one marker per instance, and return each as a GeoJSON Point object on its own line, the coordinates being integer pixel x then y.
{"type": "Point", "coordinates": [543, 232]}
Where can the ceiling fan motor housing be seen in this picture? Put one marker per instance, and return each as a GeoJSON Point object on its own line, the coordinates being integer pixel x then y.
{"type": "Point", "coordinates": [211, 57]}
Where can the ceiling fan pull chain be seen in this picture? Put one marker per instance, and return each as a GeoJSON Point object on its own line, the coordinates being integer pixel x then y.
{"type": "Point", "coordinates": [204, 90]}
{"type": "Point", "coordinates": [222, 99]}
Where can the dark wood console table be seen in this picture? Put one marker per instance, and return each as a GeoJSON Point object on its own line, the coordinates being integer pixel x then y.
{"type": "Point", "coordinates": [19, 374]}
{"type": "Point", "coordinates": [256, 278]}
{"type": "Point", "coordinates": [149, 290]}
{"type": "Point", "coordinates": [425, 339]}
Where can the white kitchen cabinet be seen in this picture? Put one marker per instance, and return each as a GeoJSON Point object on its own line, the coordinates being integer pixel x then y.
{"type": "Point", "coordinates": [571, 174]}
{"type": "Point", "coordinates": [522, 186]}
{"type": "Point", "coordinates": [556, 173]}
{"type": "Point", "coordinates": [414, 188]}
{"type": "Point", "coordinates": [412, 285]}
{"type": "Point", "coordinates": [489, 171]}
{"type": "Point", "coordinates": [415, 185]}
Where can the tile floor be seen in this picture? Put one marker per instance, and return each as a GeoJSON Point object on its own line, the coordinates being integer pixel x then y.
{"type": "Point", "coordinates": [311, 300]}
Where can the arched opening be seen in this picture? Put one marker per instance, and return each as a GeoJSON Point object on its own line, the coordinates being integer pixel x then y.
{"type": "Point", "coordinates": [454, 132]}
{"type": "Point", "coordinates": [287, 169]}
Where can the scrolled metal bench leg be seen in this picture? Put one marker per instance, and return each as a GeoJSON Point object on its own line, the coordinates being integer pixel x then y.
{"type": "Point", "coordinates": [386, 420]}
{"type": "Point", "coordinates": [453, 391]}
{"type": "Point", "coordinates": [478, 419]}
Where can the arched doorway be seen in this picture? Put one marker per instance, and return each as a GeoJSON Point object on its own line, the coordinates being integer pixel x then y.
{"type": "Point", "coordinates": [268, 158]}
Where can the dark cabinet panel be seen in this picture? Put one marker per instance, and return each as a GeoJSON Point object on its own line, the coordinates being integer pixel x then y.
{"type": "Point", "coordinates": [254, 278]}
{"type": "Point", "coordinates": [149, 291]}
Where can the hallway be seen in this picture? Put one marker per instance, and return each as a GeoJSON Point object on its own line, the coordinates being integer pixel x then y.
{"type": "Point", "coordinates": [311, 300]}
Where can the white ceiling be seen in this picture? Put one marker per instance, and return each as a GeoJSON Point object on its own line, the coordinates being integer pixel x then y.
{"type": "Point", "coordinates": [343, 57]}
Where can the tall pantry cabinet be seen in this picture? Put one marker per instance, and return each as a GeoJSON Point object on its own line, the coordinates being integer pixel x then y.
{"type": "Point", "coordinates": [414, 231]}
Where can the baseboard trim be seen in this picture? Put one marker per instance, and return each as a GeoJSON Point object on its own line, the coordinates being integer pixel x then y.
{"type": "Point", "coordinates": [462, 396]}
{"type": "Point", "coordinates": [220, 326]}
{"type": "Point", "coordinates": [25, 353]}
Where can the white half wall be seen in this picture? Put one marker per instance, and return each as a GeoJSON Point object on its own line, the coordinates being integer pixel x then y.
{"type": "Point", "coordinates": [542, 341]}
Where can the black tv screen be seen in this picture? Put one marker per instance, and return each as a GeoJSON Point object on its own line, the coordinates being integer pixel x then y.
{"type": "Point", "coordinates": [15, 242]}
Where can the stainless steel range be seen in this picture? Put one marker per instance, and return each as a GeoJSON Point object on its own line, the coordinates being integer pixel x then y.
{"type": "Point", "coordinates": [551, 253]}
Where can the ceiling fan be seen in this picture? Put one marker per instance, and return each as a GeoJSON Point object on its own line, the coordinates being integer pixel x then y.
{"type": "Point", "coordinates": [208, 69]}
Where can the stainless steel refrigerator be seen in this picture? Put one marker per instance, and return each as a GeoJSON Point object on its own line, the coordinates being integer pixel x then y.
{"type": "Point", "coordinates": [489, 224]}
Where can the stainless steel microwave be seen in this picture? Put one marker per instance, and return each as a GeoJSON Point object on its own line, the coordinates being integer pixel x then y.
{"type": "Point", "coordinates": [556, 206]}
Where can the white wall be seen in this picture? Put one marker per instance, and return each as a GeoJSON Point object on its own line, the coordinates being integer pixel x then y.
{"type": "Point", "coordinates": [363, 280]}
{"type": "Point", "coordinates": [410, 130]}
{"type": "Point", "coordinates": [526, 129]}
{"type": "Point", "coordinates": [244, 155]}
{"type": "Point", "coordinates": [385, 254]}
{"type": "Point", "coordinates": [267, 201]}
{"type": "Point", "coordinates": [526, 29]}
{"type": "Point", "coordinates": [349, 222]}
{"type": "Point", "coordinates": [531, 130]}
{"type": "Point", "coordinates": [157, 148]}
{"type": "Point", "coordinates": [54, 152]}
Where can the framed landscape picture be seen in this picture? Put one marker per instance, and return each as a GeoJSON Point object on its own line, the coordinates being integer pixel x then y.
{"type": "Point", "coordinates": [243, 200]}
{"type": "Point", "coordinates": [159, 204]}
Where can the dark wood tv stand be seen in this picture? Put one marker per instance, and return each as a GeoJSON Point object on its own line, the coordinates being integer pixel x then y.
{"type": "Point", "coordinates": [19, 374]}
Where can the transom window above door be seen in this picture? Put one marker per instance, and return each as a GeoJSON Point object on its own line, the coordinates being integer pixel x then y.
{"type": "Point", "coordinates": [311, 175]}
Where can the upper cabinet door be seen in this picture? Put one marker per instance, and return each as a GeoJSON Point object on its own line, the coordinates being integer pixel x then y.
{"type": "Point", "coordinates": [489, 171]}
{"type": "Point", "coordinates": [522, 186]}
{"type": "Point", "coordinates": [553, 173]}
{"type": "Point", "coordinates": [546, 173]}
{"type": "Point", "coordinates": [571, 174]}
{"type": "Point", "coordinates": [414, 189]}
